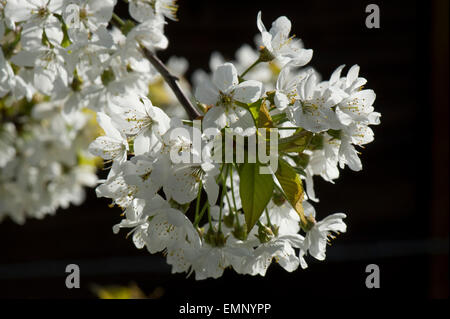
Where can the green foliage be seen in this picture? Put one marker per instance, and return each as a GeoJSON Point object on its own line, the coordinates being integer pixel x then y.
{"type": "Point", "coordinates": [297, 143]}
{"type": "Point", "coordinates": [256, 190]}
{"type": "Point", "coordinates": [291, 184]}
{"type": "Point", "coordinates": [264, 118]}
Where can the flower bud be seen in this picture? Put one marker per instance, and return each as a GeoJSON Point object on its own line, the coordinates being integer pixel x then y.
{"type": "Point", "coordinates": [107, 76]}
{"type": "Point", "coordinates": [240, 232]}
{"type": "Point", "coordinates": [278, 198]}
{"type": "Point", "coordinates": [215, 238]}
{"type": "Point", "coordinates": [265, 234]}
{"type": "Point", "coordinates": [265, 55]}
{"type": "Point", "coordinates": [229, 220]}
{"type": "Point", "coordinates": [220, 239]}
{"type": "Point", "coordinates": [210, 236]}
{"type": "Point", "coordinates": [77, 82]}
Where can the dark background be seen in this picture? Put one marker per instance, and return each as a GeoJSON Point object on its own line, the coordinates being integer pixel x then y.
{"type": "Point", "coordinates": [397, 206]}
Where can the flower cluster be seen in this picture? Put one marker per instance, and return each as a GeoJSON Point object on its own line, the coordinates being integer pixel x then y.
{"type": "Point", "coordinates": [57, 59]}
{"type": "Point", "coordinates": [207, 205]}
{"type": "Point", "coordinates": [44, 163]}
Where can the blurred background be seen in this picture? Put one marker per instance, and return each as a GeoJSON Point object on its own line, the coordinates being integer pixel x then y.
{"type": "Point", "coordinates": [397, 206]}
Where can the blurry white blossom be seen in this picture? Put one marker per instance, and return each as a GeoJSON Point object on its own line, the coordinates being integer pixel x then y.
{"type": "Point", "coordinates": [204, 215]}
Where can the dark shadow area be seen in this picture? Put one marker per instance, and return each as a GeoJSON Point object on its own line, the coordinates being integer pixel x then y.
{"type": "Point", "coordinates": [397, 206]}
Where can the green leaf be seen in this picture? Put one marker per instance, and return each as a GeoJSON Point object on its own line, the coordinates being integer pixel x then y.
{"type": "Point", "coordinates": [264, 118]}
{"type": "Point", "coordinates": [291, 184]}
{"type": "Point", "coordinates": [300, 171]}
{"type": "Point", "coordinates": [256, 190]}
{"type": "Point", "coordinates": [297, 142]}
{"type": "Point", "coordinates": [66, 40]}
{"type": "Point", "coordinates": [261, 114]}
{"type": "Point", "coordinates": [254, 109]}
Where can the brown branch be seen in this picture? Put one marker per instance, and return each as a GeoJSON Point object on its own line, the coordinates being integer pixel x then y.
{"type": "Point", "coordinates": [172, 81]}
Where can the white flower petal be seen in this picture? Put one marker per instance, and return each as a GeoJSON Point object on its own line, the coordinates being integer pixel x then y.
{"type": "Point", "coordinates": [215, 118]}
{"type": "Point", "coordinates": [106, 124]}
{"type": "Point", "coordinates": [352, 74]}
{"type": "Point", "coordinates": [302, 57]}
{"type": "Point", "coordinates": [259, 23]}
{"type": "Point", "coordinates": [107, 148]}
{"type": "Point", "coordinates": [248, 91]}
{"type": "Point", "coordinates": [19, 10]}
{"type": "Point", "coordinates": [336, 74]}
{"type": "Point", "coordinates": [212, 190]}
{"type": "Point", "coordinates": [281, 100]}
{"type": "Point", "coordinates": [281, 27]}
{"type": "Point", "coordinates": [207, 93]}
{"type": "Point", "coordinates": [225, 77]}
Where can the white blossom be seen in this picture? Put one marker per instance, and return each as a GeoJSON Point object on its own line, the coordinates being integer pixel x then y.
{"type": "Point", "coordinates": [278, 42]}
{"type": "Point", "coordinates": [112, 146]}
{"type": "Point", "coordinates": [223, 93]}
{"type": "Point", "coordinates": [163, 174]}
{"type": "Point", "coordinates": [313, 107]}
{"type": "Point", "coordinates": [317, 237]}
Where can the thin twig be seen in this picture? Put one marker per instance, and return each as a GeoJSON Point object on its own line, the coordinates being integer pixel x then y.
{"type": "Point", "coordinates": [172, 81]}
{"type": "Point", "coordinates": [250, 67]}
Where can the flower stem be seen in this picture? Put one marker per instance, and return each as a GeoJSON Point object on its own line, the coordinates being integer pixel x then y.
{"type": "Point", "coordinates": [232, 187]}
{"type": "Point", "coordinates": [209, 218]}
{"type": "Point", "coordinates": [118, 20]}
{"type": "Point", "coordinates": [200, 216]}
{"type": "Point", "coordinates": [224, 188]}
{"type": "Point", "coordinates": [172, 82]}
{"type": "Point", "coordinates": [250, 67]}
{"type": "Point", "coordinates": [232, 195]}
{"type": "Point", "coordinates": [228, 201]}
{"type": "Point", "coordinates": [197, 206]}
{"type": "Point", "coordinates": [267, 216]}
